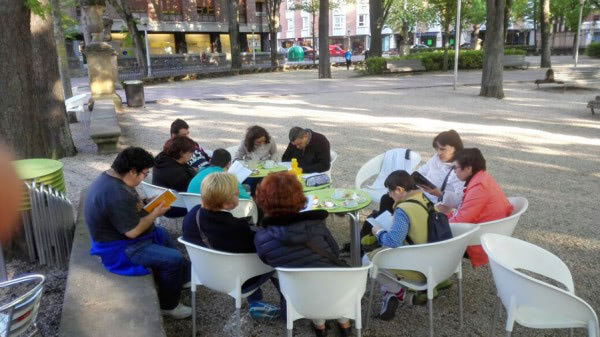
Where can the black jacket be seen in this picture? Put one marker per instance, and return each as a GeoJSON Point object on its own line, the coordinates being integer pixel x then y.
{"type": "Point", "coordinates": [224, 232]}
{"type": "Point", "coordinates": [167, 172]}
{"type": "Point", "coordinates": [282, 242]}
{"type": "Point", "coordinates": [316, 156]}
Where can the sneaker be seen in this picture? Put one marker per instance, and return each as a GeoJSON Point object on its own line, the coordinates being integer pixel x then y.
{"type": "Point", "coordinates": [390, 303]}
{"type": "Point", "coordinates": [319, 332]}
{"type": "Point", "coordinates": [261, 311]}
{"type": "Point", "coordinates": [180, 312]}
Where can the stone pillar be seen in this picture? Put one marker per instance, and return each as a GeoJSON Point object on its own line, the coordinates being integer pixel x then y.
{"type": "Point", "coordinates": [100, 55]}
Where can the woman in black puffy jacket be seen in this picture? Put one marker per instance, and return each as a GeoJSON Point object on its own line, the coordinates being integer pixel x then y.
{"type": "Point", "coordinates": [287, 233]}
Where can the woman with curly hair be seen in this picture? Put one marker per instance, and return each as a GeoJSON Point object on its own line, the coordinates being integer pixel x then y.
{"type": "Point", "coordinates": [257, 145]}
{"type": "Point", "coordinates": [288, 234]}
{"type": "Point", "coordinates": [171, 169]}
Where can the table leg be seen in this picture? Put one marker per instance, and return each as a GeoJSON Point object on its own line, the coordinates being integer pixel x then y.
{"type": "Point", "coordinates": [354, 239]}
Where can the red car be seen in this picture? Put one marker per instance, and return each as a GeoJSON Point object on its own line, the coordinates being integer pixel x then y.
{"type": "Point", "coordinates": [335, 50]}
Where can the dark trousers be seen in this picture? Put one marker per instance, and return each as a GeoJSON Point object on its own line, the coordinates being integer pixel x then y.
{"type": "Point", "coordinates": [255, 283]}
{"type": "Point", "coordinates": [386, 203]}
{"type": "Point", "coordinates": [348, 64]}
{"type": "Point", "coordinates": [171, 269]}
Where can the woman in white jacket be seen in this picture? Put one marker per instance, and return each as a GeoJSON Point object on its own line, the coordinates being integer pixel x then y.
{"type": "Point", "coordinates": [440, 172]}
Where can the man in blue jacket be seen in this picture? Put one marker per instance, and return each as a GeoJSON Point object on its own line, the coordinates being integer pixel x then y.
{"type": "Point", "coordinates": [124, 235]}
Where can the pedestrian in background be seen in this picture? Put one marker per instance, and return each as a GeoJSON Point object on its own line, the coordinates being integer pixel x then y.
{"type": "Point", "coordinates": [348, 57]}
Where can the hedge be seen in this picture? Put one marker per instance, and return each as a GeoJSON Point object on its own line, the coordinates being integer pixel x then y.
{"type": "Point", "coordinates": [593, 49]}
{"type": "Point", "coordinates": [376, 65]}
{"type": "Point", "coordinates": [467, 59]}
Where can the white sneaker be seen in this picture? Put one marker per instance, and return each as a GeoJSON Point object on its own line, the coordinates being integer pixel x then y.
{"type": "Point", "coordinates": [180, 312]}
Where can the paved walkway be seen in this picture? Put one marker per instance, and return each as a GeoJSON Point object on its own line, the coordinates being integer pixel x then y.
{"type": "Point", "coordinates": [540, 144]}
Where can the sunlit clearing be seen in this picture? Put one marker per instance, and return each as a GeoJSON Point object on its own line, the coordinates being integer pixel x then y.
{"type": "Point", "coordinates": [534, 163]}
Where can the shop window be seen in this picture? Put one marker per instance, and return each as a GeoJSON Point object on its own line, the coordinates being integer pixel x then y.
{"type": "Point", "coordinates": [205, 10]}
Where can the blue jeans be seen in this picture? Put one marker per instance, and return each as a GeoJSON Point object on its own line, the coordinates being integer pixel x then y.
{"type": "Point", "coordinates": [171, 269]}
{"type": "Point", "coordinates": [255, 283]}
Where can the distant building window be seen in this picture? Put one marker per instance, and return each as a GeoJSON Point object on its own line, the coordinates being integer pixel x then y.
{"type": "Point", "coordinates": [290, 25]}
{"type": "Point", "coordinates": [242, 11]}
{"type": "Point", "coordinates": [205, 10]}
{"type": "Point", "coordinates": [260, 8]}
{"type": "Point", "coordinates": [338, 21]}
{"type": "Point", "coordinates": [596, 37]}
{"type": "Point", "coordinates": [596, 17]}
{"type": "Point", "coordinates": [304, 23]}
{"type": "Point", "coordinates": [362, 20]}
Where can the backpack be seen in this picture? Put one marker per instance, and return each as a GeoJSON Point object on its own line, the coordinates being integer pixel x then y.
{"type": "Point", "coordinates": [438, 227]}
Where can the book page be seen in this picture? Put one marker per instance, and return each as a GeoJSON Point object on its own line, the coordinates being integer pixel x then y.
{"type": "Point", "coordinates": [384, 220]}
{"type": "Point", "coordinates": [239, 171]}
{"type": "Point", "coordinates": [167, 198]}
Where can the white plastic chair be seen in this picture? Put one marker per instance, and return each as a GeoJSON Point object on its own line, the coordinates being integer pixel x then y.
{"type": "Point", "coordinates": [437, 261]}
{"type": "Point", "coordinates": [222, 272]}
{"type": "Point", "coordinates": [333, 156]}
{"type": "Point", "coordinates": [372, 168]}
{"type": "Point", "coordinates": [76, 104]}
{"type": "Point", "coordinates": [505, 226]}
{"type": "Point", "coordinates": [323, 293]}
{"type": "Point", "coordinates": [245, 207]}
{"type": "Point", "coordinates": [20, 314]}
{"type": "Point", "coordinates": [531, 302]}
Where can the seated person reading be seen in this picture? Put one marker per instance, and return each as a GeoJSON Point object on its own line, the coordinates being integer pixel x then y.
{"type": "Point", "coordinates": [310, 148]}
{"type": "Point", "coordinates": [257, 145]}
{"type": "Point", "coordinates": [224, 232]}
{"type": "Point", "coordinates": [124, 235]}
{"type": "Point", "coordinates": [220, 162]}
{"type": "Point", "coordinates": [171, 168]}
{"type": "Point", "coordinates": [199, 158]}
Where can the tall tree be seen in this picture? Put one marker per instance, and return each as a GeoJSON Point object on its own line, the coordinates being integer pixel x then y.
{"type": "Point", "coordinates": [124, 12]}
{"type": "Point", "coordinates": [273, 20]}
{"type": "Point", "coordinates": [475, 14]}
{"type": "Point", "coordinates": [546, 26]}
{"type": "Point", "coordinates": [507, 15]}
{"type": "Point", "coordinates": [61, 48]}
{"type": "Point", "coordinates": [379, 11]}
{"type": "Point", "coordinates": [34, 120]}
{"type": "Point", "coordinates": [447, 13]}
{"type": "Point", "coordinates": [324, 64]}
{"type": "Point", "coordinates": [493, 53]}
{"type": "Point", "coordinates": [233, 16]}
{"type": "Point", "coordinates": [405, 15]}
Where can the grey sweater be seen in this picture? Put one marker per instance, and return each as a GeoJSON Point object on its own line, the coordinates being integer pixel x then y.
{"type": "Point", "coordinates": [264, 152]}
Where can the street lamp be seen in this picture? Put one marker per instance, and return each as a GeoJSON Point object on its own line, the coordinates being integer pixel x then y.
{"type": "Point", "coordinates": [144, 22]}
{"type": "Point", "coordinates": [456, 42]}
{"type": "Point", "coordinates": [581, 2]}
{"type": "Point", "coordinates": [253, 45]}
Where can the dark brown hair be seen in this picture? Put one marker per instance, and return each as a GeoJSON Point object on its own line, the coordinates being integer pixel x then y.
{"type": "Point", "coordinates": [177, 125]}
{"type": "Point", "coordinates": [400, 178]}
{"type": "Point", "coordinates": [470, 157]}
{"type": "Point", "coordinates": [449, 137]}
{"type": "Point", "coordinates": [177, 146]}
{"type": "Point", "coordinates": [279, 194]}
{"type": "Point", "coordinates": [252, 134]}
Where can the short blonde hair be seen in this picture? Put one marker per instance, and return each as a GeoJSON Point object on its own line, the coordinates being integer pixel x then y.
{"type": "Point", "coordinates": [217, 189]}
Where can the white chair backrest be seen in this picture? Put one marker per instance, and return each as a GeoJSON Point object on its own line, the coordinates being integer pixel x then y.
{"type": "Point", "coordinates": [19, 314]}
{"type": "Point", "coordinates": [76, 102]}
{"type": "Point", "coordinates": [190, 200]}
{"type": "Point", "coordinates": [437, 261]}
{"type": "Point", "coordinates": [323, 293]}
{"type": "Point", "coordinates": [152, 190]}
{"type": "Point", "coordinates": [373, 166]}
{"type": "Point", "coordinates": [223, 272]}
{"type": "Point", "coordinates": [544, 305]}
{"type": "Point", "coordinates": [246, 208]}
{"type": "Point", "coordinates": [505, 226]}
{"type": "Point", "coordinates": [333, 156]}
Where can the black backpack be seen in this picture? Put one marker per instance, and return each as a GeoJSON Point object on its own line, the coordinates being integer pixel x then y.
{"type": "Point", "coordinates": [438, 227]}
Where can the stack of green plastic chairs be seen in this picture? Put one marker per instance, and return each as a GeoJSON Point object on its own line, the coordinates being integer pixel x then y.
{"type": "Point", "coordinates": [43, 171]}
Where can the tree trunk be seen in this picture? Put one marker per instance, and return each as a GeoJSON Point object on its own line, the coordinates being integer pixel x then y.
{"type": "Point", "coordinates": [376, 13]}
{"type": "Point", "coordinates": [234, 34]}
{"type": "Point", "coordinates": [314, 39]}
{"type": "Point", "coordinates": [404, 46]}
{"type": "Point", "coordinates": [48, 88]}
{"type": "Point", "coordinates": [140, 54]}
{"type": "Point", "coordinates": [546, 61]}
{"type": "Point", "coordinates": [477, 42]}
{"type": "Point", "coordinates": [273, 12]}
{"type": "Point", "coordinates": [507, 13]}
{"type": "Point", "coordinates": [446, 41]}
{"type": "Point", "coordinates": [324, 65]}
{"type": "Point", "coordinates": [61, 49]}
{"type": "Point", "coordinates": [535, 25]}
{"type": "Point", "coordinates": [493, 52]}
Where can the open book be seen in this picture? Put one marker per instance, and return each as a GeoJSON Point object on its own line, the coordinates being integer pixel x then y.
{"type": "Point", "coordinates": [167, 198]}
{"type": "Point", "coordinates": [239, 171]}
{"type": "Point", "coordinates": [383, 220]}
{"type": "Point", "coordinates": [422, 181]}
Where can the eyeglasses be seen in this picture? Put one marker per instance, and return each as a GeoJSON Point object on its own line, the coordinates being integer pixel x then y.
{"type": "Point", "coordinates": [145, 173]}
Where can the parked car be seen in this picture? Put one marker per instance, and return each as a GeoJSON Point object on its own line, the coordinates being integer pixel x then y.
{"type": "Point", "coordinates": [466, 46]}
{"type": "Point", "coordinates": [419, 46]}
{"type": "Point", "coordinates": [335, 50]}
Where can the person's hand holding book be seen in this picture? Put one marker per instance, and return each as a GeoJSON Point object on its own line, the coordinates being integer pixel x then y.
{"type": "Point", "coordinates": [159, 210]}
{"type": "Point", "coordinates": [432, 191]}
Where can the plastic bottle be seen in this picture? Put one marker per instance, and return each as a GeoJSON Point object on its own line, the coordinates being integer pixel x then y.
{"type": "Point", "coordinates": [295, 170]}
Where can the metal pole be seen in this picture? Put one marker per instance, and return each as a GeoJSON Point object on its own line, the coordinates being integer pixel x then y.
{"type": "Point", "coordinates": [581, 2]}
{"type": "Point", "coordinates": [253, 47]}
{"type": "Point", "coordinates": [456, 42]}
{"type": "Point", "coordinates": [147, 51]}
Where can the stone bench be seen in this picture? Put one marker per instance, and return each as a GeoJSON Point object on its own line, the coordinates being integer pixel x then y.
{"type": "Point", "coordinates": [583, 77]}
{"type": "Point", "coordinates": [515, 61]}
{"type": "Point", "coordinates": [403, 66]}
{"type": "Point", "coordinates": [104, 127]}
{"type": "Point", "coordinates": [98, 303]}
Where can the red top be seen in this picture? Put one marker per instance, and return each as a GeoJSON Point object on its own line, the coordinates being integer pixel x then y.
{"type": "Point", "coordinates": [483, 201]}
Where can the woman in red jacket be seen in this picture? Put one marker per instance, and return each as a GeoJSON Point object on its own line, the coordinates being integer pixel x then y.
{"type": "Point", "coordinates": [483, 199]}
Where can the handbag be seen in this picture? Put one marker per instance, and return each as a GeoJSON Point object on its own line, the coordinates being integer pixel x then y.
{"type": "Point", "coordinates": [317, 180]}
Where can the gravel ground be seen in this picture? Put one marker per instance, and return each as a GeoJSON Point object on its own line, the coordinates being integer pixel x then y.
{"type": "Point", "coordinates": [540, 144]}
